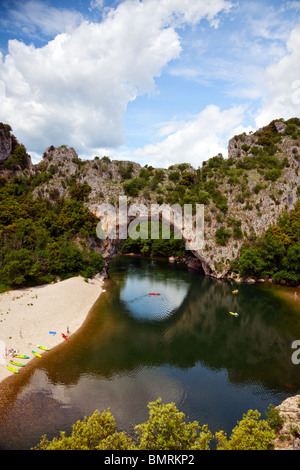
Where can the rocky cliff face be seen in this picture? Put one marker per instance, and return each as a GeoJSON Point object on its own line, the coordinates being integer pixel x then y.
{"type": "Point", "coordinates": [5, 143]}
{"type": "Point", "coordinates": [288, 437]}
{"type": "Point", "coordinates": [256, 197]}
{"type": "Point", "coordinates": [13, 156]}
{"type": "Point", "coordinates": [243, 195]}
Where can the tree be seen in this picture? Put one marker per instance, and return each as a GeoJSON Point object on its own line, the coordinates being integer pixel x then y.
{"type": "Point", "coordinates": [251, 263]}
{"type": "Point", "coordinates": [95, 433]}
{"type": "Point", "coordinates": [249, 434]}
{"type": "Point", "coordinates": [166, 429]}
{"type": "Point", "coordinates": [18, 267]}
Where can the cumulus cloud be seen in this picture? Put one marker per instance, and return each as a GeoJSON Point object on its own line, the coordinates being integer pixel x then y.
{"type": "Point", "coordinates": [75, 89]}
{"type": "Point", "coordinates": [197, 139]}
{"type": "Point", "coordinates": [282, 84]}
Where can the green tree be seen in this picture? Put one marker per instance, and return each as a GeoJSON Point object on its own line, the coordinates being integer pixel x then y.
{"type": "Point", "coordinates": [166, 429]}
{"type": "Point", "coordinates": [251, 263]}
{"type": "Point", "coordinates": [18, 267]}
{"type": "Point", "coordinates": [95, 433]}
{"type": "Point", "coordinates": [251, 433]}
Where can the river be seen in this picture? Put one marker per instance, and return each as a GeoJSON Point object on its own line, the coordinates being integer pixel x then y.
{"type": "Point", "coordinates": [181, 345]}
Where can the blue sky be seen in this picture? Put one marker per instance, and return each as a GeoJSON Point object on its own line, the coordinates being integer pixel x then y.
{"type": "Point", "coordinates": [154, 81]}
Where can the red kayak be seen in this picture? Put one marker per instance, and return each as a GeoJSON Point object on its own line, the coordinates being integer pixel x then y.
{"type": "Point", "coordinates": [65, 337]}
{"type": "Point", "coordinates": [153, 293]}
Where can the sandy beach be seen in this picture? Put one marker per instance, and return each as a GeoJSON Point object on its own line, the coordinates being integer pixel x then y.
{"type": "Point", "coordinates": [28, 315]}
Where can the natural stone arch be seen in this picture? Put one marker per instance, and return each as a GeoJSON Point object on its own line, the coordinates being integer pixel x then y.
{"type": "Point", "coordinates": [115, 224]}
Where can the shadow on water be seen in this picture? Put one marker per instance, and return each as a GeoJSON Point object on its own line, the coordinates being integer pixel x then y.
{"type": "Point", "coordinates": [182, 345]}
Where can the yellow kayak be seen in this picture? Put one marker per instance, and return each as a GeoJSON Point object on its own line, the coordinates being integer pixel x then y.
{"type": "Point", "coordinates": [12, 369]}
{"type": "Point", "coordinates": [19, 364]}
{"type": "Point", "coordinates": [36, 354]}
{"type": "Point", "coordinates": [234, 313]}
{"type": "Point", "coordinates": [43, 347]}
{"type": "Point", "coordinates": [21, 356]}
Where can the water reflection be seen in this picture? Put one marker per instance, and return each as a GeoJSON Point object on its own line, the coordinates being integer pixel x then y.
{"type": "Point", "coordinates": [182, 345]}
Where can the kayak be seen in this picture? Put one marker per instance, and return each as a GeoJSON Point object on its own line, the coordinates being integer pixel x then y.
{"type": "Point", "coordinates": [36, 354]}
{"type": "Point", "coordinates": [20, 356]}
{"type": "Point", "coordinates": [17, 364]}
{"type": "Point", "coordinates": [234, 313]}
{"type": "Point", "coordinates": [65, 337]}
{"type": "Point", "coordinates": [235, 291]}
{"type": "Point", "coordinates": [12, 369]}
{"type": "Point", "coordinates": [43, 347]}
{"type": "Point", "coordinates": [153, 293]}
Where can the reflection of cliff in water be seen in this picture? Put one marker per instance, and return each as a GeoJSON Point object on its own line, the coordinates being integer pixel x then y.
{"type": "Point", "coordinates": [255, 347]}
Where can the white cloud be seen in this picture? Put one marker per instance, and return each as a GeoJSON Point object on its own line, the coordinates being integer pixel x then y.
{"type": "Point", "coordinates": [34, 17]}
{"type": "Point", "coordinates": [97, 4]}
{"type": "Point", "coordinates": [282, 84]}
{"type": "Point", "coordinates": [196, 140]}
{"type": "Point", "coordinates": [75, 89]}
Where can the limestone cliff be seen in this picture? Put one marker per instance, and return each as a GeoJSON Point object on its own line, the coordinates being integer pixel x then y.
{"type": "Point", "coordinates": [5, 143]}
{"type": "Point", "coordinates": [288, 437]}
{"type": "Point", "coordinates": [243, 194]}
{"type": "Point", "coordinates": [13, 156]}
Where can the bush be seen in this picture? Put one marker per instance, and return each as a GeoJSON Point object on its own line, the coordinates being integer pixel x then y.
{"type": "Point", "coordinates": [134, 186]}
{"type": "Point", "coordinates": [273, 175]}
{"type": "Point", "coordinates": [222, 235]}
{"type": "Point", "coordinates": [274, 418]}
{"type": "Point", "coordinates": [249, 434]}
{"type": "Point", "coordinates": [166, 429]}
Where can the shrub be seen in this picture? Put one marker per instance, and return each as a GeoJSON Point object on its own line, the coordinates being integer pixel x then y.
{"type": "Point", "coordinates": [274, 418]}
{"type": "Point", "coordinates": [273, 175]}
{"type": "Point", "coordinates": [222, 235]}
{"type": "Point", "coordinates": [249, 434]}
{"type": "Point", "coordinates": [166, 429]}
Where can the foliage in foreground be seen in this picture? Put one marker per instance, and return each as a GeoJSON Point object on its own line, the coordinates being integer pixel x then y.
{"type": "Point", "coordinates": [166, 429]}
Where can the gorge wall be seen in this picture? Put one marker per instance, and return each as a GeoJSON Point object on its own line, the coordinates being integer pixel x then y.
{"type": "Point", "coordinates": [243, 194]}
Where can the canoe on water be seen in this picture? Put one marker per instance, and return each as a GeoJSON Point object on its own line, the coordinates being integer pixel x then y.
{"type": "Point", "coordinates": [21, 356]}
{"type": "Point", "coordinates": [43, 347]}
{"type": "Point", "coordinates": [12, 369]}
{"type": "Point", "coordinates": [234, 313]}
{"type": "Point", "coordinates": [19, 364]}
{"type": "Point", "coordinates": [235, 291]}
{"type": "Point", "coordinates": [36, 354]}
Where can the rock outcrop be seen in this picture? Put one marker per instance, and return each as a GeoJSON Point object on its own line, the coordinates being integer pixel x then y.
{"type": "Point", "coordinates": [5, 143]}
{"type": "Point", "coordinates": [288, 437]}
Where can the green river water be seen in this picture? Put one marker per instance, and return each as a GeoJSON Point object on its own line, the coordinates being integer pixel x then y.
{"type": "Point", "coordinates": [181, 345]}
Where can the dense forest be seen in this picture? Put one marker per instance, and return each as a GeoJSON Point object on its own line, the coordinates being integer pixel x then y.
{"type": "Point", "coordinates": [40, 241]}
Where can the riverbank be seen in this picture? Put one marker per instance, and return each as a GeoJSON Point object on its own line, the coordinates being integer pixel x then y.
{"type": "Point", "coordinates": [27, 316]}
